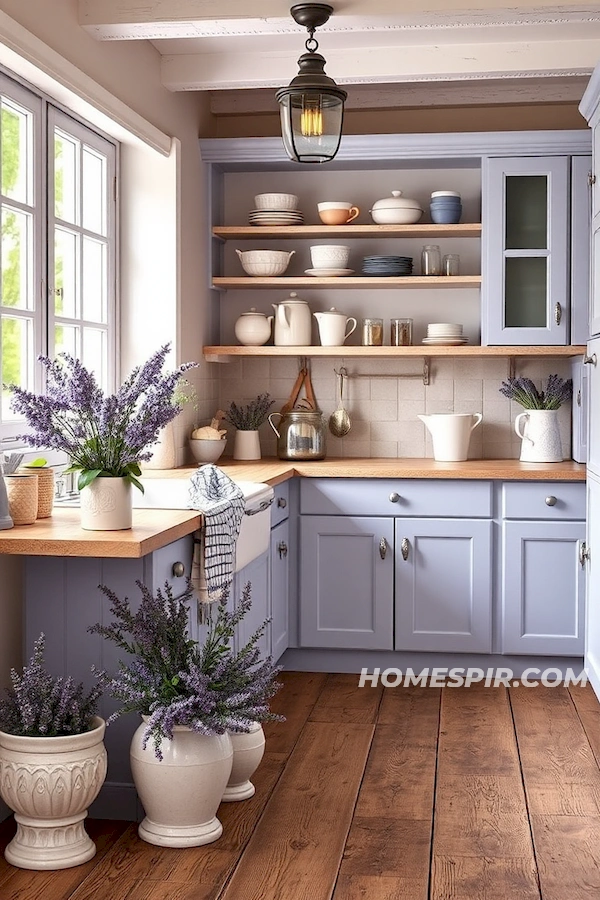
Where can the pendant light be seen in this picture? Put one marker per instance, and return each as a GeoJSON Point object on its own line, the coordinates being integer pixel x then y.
{"type": "Point", "coordinates": [312, 105]}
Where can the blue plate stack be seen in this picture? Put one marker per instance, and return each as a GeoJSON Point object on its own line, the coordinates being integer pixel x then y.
{"type": "Point", "coordinates": [382, 266]}
{"type": "Point", "coordinates": [445, 207]}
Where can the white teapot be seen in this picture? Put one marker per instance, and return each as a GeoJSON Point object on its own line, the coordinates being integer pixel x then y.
{"type": "Point", "coordinates": [292, 322]}
{"type": "Point", "coordinates": [333, 327]}
{"type": "Point", "coordinates": [253, 328]}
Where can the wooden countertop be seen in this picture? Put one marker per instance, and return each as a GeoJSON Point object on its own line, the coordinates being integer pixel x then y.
{"type": "Point", "coordinates": [61, 534]}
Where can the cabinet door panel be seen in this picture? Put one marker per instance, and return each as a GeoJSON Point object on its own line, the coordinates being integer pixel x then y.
{"type": "Point", "coordinates": [280, 588]}
{"type": "Point", "coordinates": [444, 586]}
{"type": "Point", "coordinates": [592, 648]}
{"type": "Point", "coordinates": [595, 279]}
{"type": "Point", "coordinates": [594, 406]}
{"type": "Point", "coordinates": [581, 218]}
{"type": "Point", "coordinates": [346, 588]}
{"type": "Point", "coordinates": [257, 574]}
{"type": "Point", "coordinates": [542, 588]}
{"type": "Point", "coordinates": [525, 256]}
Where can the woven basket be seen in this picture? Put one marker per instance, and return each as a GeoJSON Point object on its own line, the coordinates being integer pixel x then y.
{"type": "Point", "coordinates": [45, 480]}
{"type": "Point", "coordinates": [22, 490]}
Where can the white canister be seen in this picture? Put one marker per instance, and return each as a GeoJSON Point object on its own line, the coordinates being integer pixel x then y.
{"type": "Point", "coordinates": [253, 329]}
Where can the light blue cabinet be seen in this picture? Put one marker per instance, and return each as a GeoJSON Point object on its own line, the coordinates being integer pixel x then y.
{"type": "Point", "coordinates": [526, 251]}
{"type": "Point", "coordinates": [543, 588]}
{"type": "Point", "coordinates": [592, 648]}
{"type": "Point", "coordinates": [346, 582]}
{"type": "Point", "coordinates": [279, 588]}
{"type": "Point", "coordinates": [592, 365]}
{"type": "Point", "coordinates": [443, 585]}
{"type": "Point", "coordinates": [256, 573]}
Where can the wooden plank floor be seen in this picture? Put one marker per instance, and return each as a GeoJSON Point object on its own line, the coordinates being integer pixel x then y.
{"type": "Point", "coordinates": [382, 794]}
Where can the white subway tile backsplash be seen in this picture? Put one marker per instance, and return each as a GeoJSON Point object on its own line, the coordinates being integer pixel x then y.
{"type": "Point", "coordinates": [384, 388]}
{"type": "Point", "coordinates": [384, 449]}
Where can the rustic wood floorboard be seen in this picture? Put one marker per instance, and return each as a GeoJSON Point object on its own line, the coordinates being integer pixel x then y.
{"type": "Point", "coordinates": [381, 794]}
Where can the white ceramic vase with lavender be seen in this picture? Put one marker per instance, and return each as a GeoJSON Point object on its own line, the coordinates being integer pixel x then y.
{"type": "Point", "coordinates": [540, 435]}
{"type": "Point", "coordinates": [248, 750]}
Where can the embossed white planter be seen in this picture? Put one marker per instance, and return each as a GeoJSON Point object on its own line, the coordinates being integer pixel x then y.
{"type": "Point", "coordinates": [181, 793]}
{"type": "Point", "coordinates": [49, 782]}
{"type": "Point", "coordinates": [106, 505]}
{"type": "Point", "coordinates": [248, 750]}
{"type": "Point", "coordinates": [540, 437]}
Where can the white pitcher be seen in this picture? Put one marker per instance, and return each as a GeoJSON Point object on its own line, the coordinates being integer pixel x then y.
{"type": "Point", "coordinates": [451, 433]}
{"type": "Point", "coordinates": [293, 322]}
{"type": "Point", "coordinates": [540, 438]}
{"type": "Point", "coordinates": [333, 327]}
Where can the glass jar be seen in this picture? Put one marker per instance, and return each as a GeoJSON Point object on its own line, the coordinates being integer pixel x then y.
{"type": "Point", "coordinates": [372, 332]}
{"type": "Point", "coordinates": [301, 434]}
{"type": "Point", "coordinates": [451, 264]}
{"type": "Point", "coordinates": [401, 332]}
{"type": "Point", "coordinates": [431, 260]}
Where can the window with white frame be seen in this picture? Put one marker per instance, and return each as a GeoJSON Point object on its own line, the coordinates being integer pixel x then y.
{"type": "Point", "coordinates": [58, 244]}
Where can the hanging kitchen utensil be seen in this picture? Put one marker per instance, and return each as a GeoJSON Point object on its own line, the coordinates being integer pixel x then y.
{"type": "Point", "coordinates": [309, 401]}
{"type": "Point", "coordinates": [339, 420]}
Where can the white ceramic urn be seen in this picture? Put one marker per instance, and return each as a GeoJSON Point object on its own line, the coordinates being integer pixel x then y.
{"type": "Point", "coordinates": [334, 327]}
{"type": "Point", "coordinates": [293, 322]}
{"type": "Point", "coordinates": [253, 329]}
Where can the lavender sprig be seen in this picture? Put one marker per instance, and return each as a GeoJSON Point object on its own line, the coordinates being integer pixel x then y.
{"type": "Point", "coordinates": [526, 394]}
{"type": "Point", "coordinates": [39, 705]}
{"type": "Point", "coordinates": [250, 417]}
{"type": "Point", "coordinates": [174, 681]}
{"type": "Point", "coordinates": [101, 435]}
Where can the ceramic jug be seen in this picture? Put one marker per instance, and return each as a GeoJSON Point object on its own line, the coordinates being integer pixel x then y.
{"type": "Point", "coordinates": [333, 327]}
{"type": "Point", "coordinates": [293, 322]}
{"type": "Point", "coordinates": [451, 433]}
{"type": "Point", "coordinates": [540, 438]}
{"type": "Point", "coordinates": [253, 329]}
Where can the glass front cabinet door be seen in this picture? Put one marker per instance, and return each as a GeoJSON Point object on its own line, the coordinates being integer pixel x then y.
{"type": "Point", "coordinates": [525, 264]}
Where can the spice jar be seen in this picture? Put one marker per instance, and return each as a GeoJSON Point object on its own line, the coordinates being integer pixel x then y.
{"type": "Point", "coordinates": [401, 332]}
{"type": "Point", "coordinates": [372, 332]}
{"type": "Point", "coordinates": [431, 260]}
{"type": "Point", "coordinates": [451, 264]}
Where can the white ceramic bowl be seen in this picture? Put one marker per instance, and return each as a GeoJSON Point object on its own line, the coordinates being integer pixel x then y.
{"type": "Point", "coordinates": [396, 216]}
{"type": "Point", "coordinates": [206, 451]}
{"type": "Point", "coordinates": [276, 201]}
{"type": "Point", "coordinates": [265, 263]}
{"type": "Point", "coordinates": [330, 256]}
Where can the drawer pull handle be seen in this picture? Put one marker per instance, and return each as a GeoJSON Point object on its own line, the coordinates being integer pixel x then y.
{"type": "Point", "coordinates": [590, 360]}
{"type": "Point", "coordinates": [584, 553]}
{"type": "Point", "coordinates": [178, 570]}
{"type": "Point", "coordinates": [404, 548]}
{"type": "Point", "coordinates": [281, 502]}
{"type": "Point", "coordinates": [383, 545]}
{"type": "Point", "coordinates": [282, 549]}
{"type": "Point", "coordinates": [264, 504]}
{"type": "Point", "coordinates": [394, 497]}
{"type": "Point", "coordinates": [557, 313]}
{"type": "Point", "coordinates": [550, 501]}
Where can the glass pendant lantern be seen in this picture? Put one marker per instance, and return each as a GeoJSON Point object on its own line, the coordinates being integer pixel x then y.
{"type": "Point", "coordinates": [312, 105]}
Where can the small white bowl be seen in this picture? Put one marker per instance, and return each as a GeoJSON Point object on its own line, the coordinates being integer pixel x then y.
{"type": "Point", "coordinates": [276, 201]}
{"type": "Point", "coordinates": [396, 216]}
{"type": "Point", "coordinates": [265, 263]}
{"type": "Point", "coordinates": [206, 451]}
{"type": "Point", "coordinates": [330, 256]}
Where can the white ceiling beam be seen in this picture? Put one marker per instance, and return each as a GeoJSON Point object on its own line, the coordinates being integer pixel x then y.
{"type": "Point", "coordinates": [110, 20]}
{"type": "Point", "coordinates": [490, 92]}
{"type": "Point", "coordinates": [216, 71]}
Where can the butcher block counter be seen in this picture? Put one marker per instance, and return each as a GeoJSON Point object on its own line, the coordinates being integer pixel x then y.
{"type": "Point", "coordinates": [61, 534]}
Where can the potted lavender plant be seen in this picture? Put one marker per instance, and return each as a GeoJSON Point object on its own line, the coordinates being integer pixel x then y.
{"type": "Point", "coordinates": [52, 765]}
{"type": "Point", "coordinates": [247, 420]}
{"type": "Point", "coordinates": [190, 697]}
{"type": "Point", "coordinates": [105, 437]}
{"type": "Point", "coordinates": [540, 437]}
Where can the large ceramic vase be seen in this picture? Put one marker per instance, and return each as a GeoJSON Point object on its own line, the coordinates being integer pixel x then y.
{"type": "Point", "coordinates": [49, 782]}
{"type": "Point", "coordinates": [246, 445]}
{"type": "Point", "coordinates": [181, 793]}
{"type": "Point", "coordinates": [248, 750]}
{"type": "Point", "coordinates": [540, 437]}
{"type": "Point", "coordinates": [106, 505]}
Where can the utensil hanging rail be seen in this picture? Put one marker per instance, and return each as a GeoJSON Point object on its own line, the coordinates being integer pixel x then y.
{"type": "Point", "coordinates": [425, 374]}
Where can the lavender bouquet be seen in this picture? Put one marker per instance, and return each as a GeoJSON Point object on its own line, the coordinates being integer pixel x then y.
{"type": "Point", "coordinates": [250, 417]}
{"type": "Point", "coordinates": [524, 391]}
{"type": "Point", "coordinates": [39, 705]}
{"type": "Point", "coordinates": [101, 435]}
{"type": "Point", "coordinates": [173, 680]}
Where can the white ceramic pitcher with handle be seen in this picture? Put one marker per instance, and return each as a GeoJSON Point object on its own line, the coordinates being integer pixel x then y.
{"type": "Point", "coordinates": [540, 438]}
{"type": "Point", "coordinates": [333, 327]}
{"type": "Point", "coordinates": [293, 322]}
{"type": "Point", "coordinates": [451, 433]}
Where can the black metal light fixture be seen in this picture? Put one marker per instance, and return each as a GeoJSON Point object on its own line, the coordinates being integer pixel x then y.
{"type": "Point", "coordinates": [312, 105]}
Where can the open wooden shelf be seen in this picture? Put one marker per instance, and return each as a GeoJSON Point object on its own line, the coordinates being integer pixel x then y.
{"type": "Point", "coordinates": [408, 282]}
{"type": "Point", "coordinates": [217, 353]}
{"type": "Point", "coordinates": [255, 232]}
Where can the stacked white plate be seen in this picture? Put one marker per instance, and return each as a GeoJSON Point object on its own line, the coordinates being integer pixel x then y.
{"type": "Point", "coordinates": [275, 217]}
{"type": "Point", "coordinates": [445, 333]}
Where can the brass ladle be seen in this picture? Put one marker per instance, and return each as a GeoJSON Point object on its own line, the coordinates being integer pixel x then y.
{"type": "Point", "coordinates": [339, 420]}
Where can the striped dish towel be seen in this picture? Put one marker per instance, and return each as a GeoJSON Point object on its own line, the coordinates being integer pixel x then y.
{"type": "Point", "coordinates": [222, 505]}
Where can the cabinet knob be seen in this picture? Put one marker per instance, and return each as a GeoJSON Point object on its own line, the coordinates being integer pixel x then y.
{"type": "Point", "coordinates": [178, 569]}
{"type": "Point", "coordinates": [394, 497]}
{"type": "Point", "coordinates": [281, 502]}
{"type": "Point", "coordinates": [282, 549]}
{"type": "Point", "coordinates": [550, 501]}
{"type": "Point", "coordinates": [590, 360]}
{"type": "Point", "coordinates": [584, 553]}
